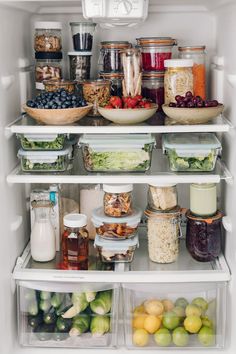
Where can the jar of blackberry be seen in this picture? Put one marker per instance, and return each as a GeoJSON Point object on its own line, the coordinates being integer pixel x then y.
{"type": "Point", "coordinates": [110, 58]}
{"type": "Point", "coordinates": [82, 35]}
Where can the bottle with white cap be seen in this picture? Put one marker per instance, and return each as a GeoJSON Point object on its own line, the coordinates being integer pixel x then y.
{"type": "Point", "coordinates": [75, 241]}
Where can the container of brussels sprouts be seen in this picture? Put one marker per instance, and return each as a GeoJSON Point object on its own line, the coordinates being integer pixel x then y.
{"type": "Point", "coordinates": [39, 142]}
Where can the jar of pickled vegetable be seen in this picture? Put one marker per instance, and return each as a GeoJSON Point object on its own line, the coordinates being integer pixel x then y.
{"type": "Point", "coordinates": [96, 92]}
{"type": "Point", "coordinates": [198, 55]}
{"type": "Point", "coordinates": [118, 199]}
{"type": "Point", "coordinates": [47, 67]}
{"type": "Point", "coordinates": [110, 59]}
{"type": "Point", "coordinates": [178, 78]}
{"type": "Point", "coordinates": [115, 80]}
{"type": "Point", "coordinates": [153, 87]}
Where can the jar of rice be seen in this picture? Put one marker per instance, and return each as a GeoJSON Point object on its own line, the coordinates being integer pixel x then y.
{"type": "Point", "coordinates": [163, 235]}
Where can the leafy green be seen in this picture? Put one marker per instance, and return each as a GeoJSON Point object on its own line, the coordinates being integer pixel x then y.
{"type": "Point", "coordinates": [196, 163]}
{"type": "Point", "coordinates": [102, 303]}
{"type": "Point", "coordinates": [80, 325]}
{"type": "Point", "coordinates": [99, 325]}
{"type": "Point", "coordinates": [56, 144]}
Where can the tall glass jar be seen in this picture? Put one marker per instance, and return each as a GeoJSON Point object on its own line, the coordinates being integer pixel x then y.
{"type": "Point", "coordinates": [82, 35]}
{"type": "Point", "coordinates": [198, 55]}
{"type": "Point", "coordinates": [178, 78]}
{"type": "Point", "coordinates": [131, 61]}
{"type": "Point", "coordinates": [110, 58]}
{"type": "Point", "coordinates": [153, 87]}
{"type": "Point", "coordinates": [43, 237]}
{"type": "Point", "coordinates": [203, 199]}
{"type": "Point", "coordinates": [115, 80]}
{"type": "Point", "coordinates": [47, 67]}
{"type": "Point", "coordinates": [47, 36]}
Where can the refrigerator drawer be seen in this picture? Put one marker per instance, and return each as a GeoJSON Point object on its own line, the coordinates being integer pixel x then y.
{"type": "Point", "coordinates": [151, 323]}
{"type": "Point", "coordinates": [67, 315]}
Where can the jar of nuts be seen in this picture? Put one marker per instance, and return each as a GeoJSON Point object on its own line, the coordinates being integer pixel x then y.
{"type": "Point", "coordinates": [54, 85]}
{"type": "Point", "coordinates": [47, 67]}
{"type": "Point", "coordinates": [47, 37]}
{"type": "Point", "coordinates": [96, 92]}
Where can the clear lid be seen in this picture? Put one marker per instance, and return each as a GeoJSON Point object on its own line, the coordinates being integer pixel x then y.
{"type": "Point", "coordinates": [48, 25]}
{"type": "Point", "coordinates": [99, 218]}
{"type": "Point", "coordinates": [117, 141]}
{"type": "Point", "coordinates": [40, 137]}
{"type": "Point", "coordinates": [178, 63]}
{"type": "Point", "coordinates": [75, 220]}
{"type": "Point", "coordinates": [79, 54]}
{"type": "Point", "coordinates": [43, 154]}
{"type": "Point", "coordinates": [111, 245]}
{"type": "Point", "coordinates": [117, 188]}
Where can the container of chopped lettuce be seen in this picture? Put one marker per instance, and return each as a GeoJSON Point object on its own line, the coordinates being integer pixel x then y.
{"type": "Point", "coordinates": [117, 153]}
{"type": "Point", "coordinates": [41, 142]}
{"type": "Point", "coordinates": [44, 161]}
{"type": "Point", "coordinates": [194, 152]}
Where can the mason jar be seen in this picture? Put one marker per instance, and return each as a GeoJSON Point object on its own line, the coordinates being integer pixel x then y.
{"type": "Point", "coordinates": [153, 87]}
{"type": "Point", "coordinates": [115, 80]}
{"type": "Point", "coordinates": [110, 58]}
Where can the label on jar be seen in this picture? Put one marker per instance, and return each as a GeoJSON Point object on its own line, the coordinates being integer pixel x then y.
{"type": "Point", "coordinates": [72, 235]}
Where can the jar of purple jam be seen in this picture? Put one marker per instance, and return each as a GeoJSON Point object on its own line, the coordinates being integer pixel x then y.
{"type": "Point", "coordinates": [203, 236]}
{"type": "Point", "coordinates": [153, 87]}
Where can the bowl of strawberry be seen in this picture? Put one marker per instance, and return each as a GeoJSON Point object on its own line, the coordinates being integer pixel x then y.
{"type": "Point", "coordinates": [128, 110]}
{"type": "Point", "coordinates": [190, 109]}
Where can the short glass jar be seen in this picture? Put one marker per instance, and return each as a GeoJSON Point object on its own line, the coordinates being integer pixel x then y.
{"type": "Point", "coordinates": [47, 67]}
{"type": "Point", "coordinates": [116, 82]}
{"type": "Point", "coordinates": [203, 199]}
{"type": "Point", "coordinates": [54, 85]}
{"type": "Point", "coordinates": [162, 197]}
{"type": "Point", "coordinates": [96, 92]}
{"type": "Point", "coordinates": [80, 65]}
{"type": "Point", "coordinates": [203, 236]}
{"type": "Point", "coordinates": [178, 78]}
{"type": "Point", "coordinates": [82, 35]}
{"type": "Point", "coordinates": [118, 200]}
{"type": "Point", "coordinates": [75, 241]}
{"type": "Point", "coordinates": [47, 36]}
{"type": "Point", "coordinates": [110, 58]}
{"type": "Point", "coordinates": [153, 87]}
{"type": "Point", "coordinates": [163, 235]}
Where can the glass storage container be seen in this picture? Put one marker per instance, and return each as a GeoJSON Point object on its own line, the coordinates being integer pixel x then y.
{"type": "Point", "coordinates": [118, 153]}
{"type": "Point", "coordinates": [47, 36]}
{"type": "Point", "coordinates": [44, 161]}
{"type": "Point", "coordinates": [163, 235]}
{"type": "Point", "coordinates": [155, 50]}
{"type": "Point", "coordinates": [178, 78]}
{"type": "Point", "coordinates": [47, 67]}
{"type": "Point", "coordinates": [113, 228]}
{"type": "Point", "coordinates": [96, 92]}
{"type": "Point", "coordinates": [204, 236]}
{"type": "Point", "coordinates": [82, 35]}
{"type": "Point", "coordinates": [112, 251]}
{"type": "Point", "coordinates": [131, 61]}
{"type": "Point", "coordinates": [80, 65]}
{"type": "Point", "coordinates": [193, 152]}
{"type": "Point", "coordinates": [162, 197]}
{"type": "Point", "coordinates": [203, 199]}
{"type": "Point", "coordinates": [115, 80]}
{"type": "Point", "coordinates": [54, 85]}
{"type": "Point", "coordinates": [153, 87]}
{"type": "Point", "coordinates": [118, 200]}
{"type": "Point", "coordinates": [198, 55]}
{"type": "Point", "coordinates": [42, 142]}
{"type": "Point", "coordinates": [110, 57]}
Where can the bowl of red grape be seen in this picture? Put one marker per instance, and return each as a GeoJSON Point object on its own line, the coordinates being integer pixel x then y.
{"type": "Point", "coordinates": [190, 109]}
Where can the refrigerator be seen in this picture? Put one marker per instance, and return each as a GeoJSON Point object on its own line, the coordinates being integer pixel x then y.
{"type": "Point", "coordinates": [191, 22]}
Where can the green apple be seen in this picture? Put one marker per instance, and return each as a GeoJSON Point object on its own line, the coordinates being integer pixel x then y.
{"type": "Point", "coordinates": [162, 337]}
{"type": "Point", "coordinates": [206, 336]}
{"type": "Point", "coordinates": [180, 337]}
{"type": "Point", "coordinates": [200, 302]}
{"type": "Point", "coordinates": [193, 310]}
{"type": "Point", "coordinates": [170, 320]}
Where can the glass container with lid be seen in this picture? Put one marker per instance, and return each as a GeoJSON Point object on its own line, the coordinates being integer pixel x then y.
{"type": "Point", "coordinates": [75, 241]}
{"type": "Point", "coordinates": [203, 199]}
{"type": "Point", "coordinates": [131, 61]}
{"type": "Point", "coordinates": [110, 58]}
{"type": "Point", "coordinates": [45, 142]}
{"type": "Point", "coordinates": [96, 92]}
{"type": "Point", "coordinates": [203, 236]}
{"type": "Point", "coordinates": [118, 199]}
{"type": "Point", "coordinates": [116, 82]}
{"type": "Point", "coordinates": [54, 85]}
{"type": "Point", "coordinates": [162, 197]}
{"type": "Point", "coordinates": [80, 65]}
{"type": "Point", "coordinates": [155, 50]}
{"type": "Point", "coordinates": [47, 36]}
{"type": "Point", "coordinates": [164, 232]}
{"type": "Point", "coordinates": [82, 35]}
{"type": "Point", "coordinates": [153, 87]}
{"type": "Point", "coordinates": [198, 55]}
{"type": "Point", "coordinates": [47, 67]}
{"type": "Point", "coordinates": [178, 78]}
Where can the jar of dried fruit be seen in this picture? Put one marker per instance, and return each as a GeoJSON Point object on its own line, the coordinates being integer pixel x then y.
{"type": "Point", "coordinates": [47, 67]}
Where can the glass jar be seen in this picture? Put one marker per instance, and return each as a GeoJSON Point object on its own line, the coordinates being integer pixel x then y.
{"type": "Point", "coordinates": [155, 50]}
{"type": "Point", "coordinates": [118, 200]}
{"type": "Point", "coordinates": [54, 85]}
{"type": "Point", "coordinates": [178, 78]}
{"type": "Point", "coordinates": [47, 67]}
{"type": "Point", "coordinates": [115, 80]}
{"type": "Point", "coordinates": [82, 35]}
{"type": "Point", "coordinates": [198, 56]}
{"type": "Point", "coordinates": [75, 241]}
{"type": "Point", "coordinates": [47, 36]}
{"type": "Point", "coordinates": [153, 87]}
{"type": "Point", "coordinates": [162, 197]}
{"type": "Point", "coordinates": [163, 235]}
{"type": "Point", "coordinates": [110, 58]}
{"type": "Point", "coordinates": [203, 199]}
{"type": "Point", "coordinates": [96, 92]}
{"type": "Point", "coordinates": [131, 59]}
{"type": "Point", "coordinates": [203, 236]}
{"type": "Point", "coordinates": [80, 65]}
{"type": "Point", "coordinates": [43, 237]}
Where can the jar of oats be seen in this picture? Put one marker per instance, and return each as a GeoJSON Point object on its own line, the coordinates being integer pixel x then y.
{"type": "Point", "coordinates": [163, 235]}
{"type": "Point", "coordinates": [96, 92]}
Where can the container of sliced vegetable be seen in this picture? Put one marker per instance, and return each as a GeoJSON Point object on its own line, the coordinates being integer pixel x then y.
{"type": "Point", "coordinates": [39, 142]}
{"type": "Point", "coordinates": [117, 153]}
{"type": "Point", "coordinates": [196, 152]}
{"type": "Point", "coordinates": [44, 161]}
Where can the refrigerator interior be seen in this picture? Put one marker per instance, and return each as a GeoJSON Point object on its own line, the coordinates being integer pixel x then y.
{"type": "Point", "coordinates": [209, 22]}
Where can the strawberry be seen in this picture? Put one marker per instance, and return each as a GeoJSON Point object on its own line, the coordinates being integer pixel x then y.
{"type": "Point", "coordinates": [109, 106]}
{"type": "Point", "coordinates": [131, 102]}
{"type": "Point", "coordinates": [147, 105]}
{"type": "Point", "coordinates": [138, 97]}
{"type": "Point", "coordinates": [116, 102]}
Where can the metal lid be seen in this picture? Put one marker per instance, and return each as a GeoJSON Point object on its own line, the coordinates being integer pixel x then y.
{"type": "Point", "coordinates": [170, 214]}
{"type": "Point", "coordinates": [42, 204]}
{"type": "Point", "coordinates": [153, 75]}
{"type": "Point", "coordinates": [162, 185]}
{"type": "Point", "coordinates": [48, 25]}
{"type": "Point", "coordinates": [98, 82]}
{"type": "Point", "coordinates": [117, 188]}
{"type": "Point", "coordinates": [131, 51]}
{"type": "Point", "coordinates": [111, 245]}
{"type": "Point", "coordinates": [199, 48]}
{"type": "Point", "coordinates": [178, 63]}
{"type": "Point", "coordinates": [83, 23]}
{"type": "Point", "coordinates": [75, 220]}
{"type": "Point", "coordinates": [48, 55]}
{"type": "Point", "coordinates": [110, 76]}
{"type": "Point", "coordinates": [207, 220]}
{"type": "Point", "coordinates": [115, 45]}
{"type": "Point", "coordinates": [59, 82]}
{"type": "Point", "coordinates": [156, 41]}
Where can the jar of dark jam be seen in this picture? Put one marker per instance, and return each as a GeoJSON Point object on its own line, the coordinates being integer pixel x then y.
{"type": "Point", "coordinates": [153, 87]}
{"type": "Point", "coordinates": [110, 58]}
{"type": "Point", "coordinates": [116, 82]}
{"type": "Point", "coordinates": [203, 236]}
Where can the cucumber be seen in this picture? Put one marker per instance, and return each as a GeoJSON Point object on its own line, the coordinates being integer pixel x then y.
{"type": "Point", "coordinates": [34, 321]}
{"type": "Point", "coordinates": [44, 331]}
{"type": "Point", "coordinates": [45, 305]}
{"type": "Point", "coordinates": [63, 324]}
{"type": "Point", "coordinates": [33, 308]}
{"type": "Point", "coordinates": [59, 336]}
{"type": "Point", "coordinates": [45, 295]}
{"type": "Point", "coordinates": [50, 317]}
{"type": "Point", "coordinates": [57, 299]}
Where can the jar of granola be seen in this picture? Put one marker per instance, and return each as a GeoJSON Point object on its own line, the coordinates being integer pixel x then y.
{"type": "Point", "coordinates": [96, 92]}
{"type": "Point", "coordinates": [47, 67]}
{"type": "Point", "coordinates": [118, 199]}
{"type": "Point", "coordinates": [47, 36]}
{"type": "Point", "coordinates": [163, 235]}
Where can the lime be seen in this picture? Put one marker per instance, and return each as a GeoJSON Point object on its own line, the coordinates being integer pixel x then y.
{"type": "Point", "coordinates": [192, 324]}
{"type": "Point", "coordinates": [200, 302]}
{"type": "Point", "coordinates": [180, 312]}
{"type": "Point", "coordinates": [193, 310]}
{"type": "Point", "coordinates": [170, 320]}
{"type": "Point", "coordinates": [182, 302]}
{"type": "Point", "coordinates": [207, 322]}
{"type": "Point", "coordinates": [140, 337]}
{"type": "Point", "coordinates": [162, 337]}
{"type": "Point", "coordinates": [206, 336]}
{"type": "Point", "coordinates": [180, 337]}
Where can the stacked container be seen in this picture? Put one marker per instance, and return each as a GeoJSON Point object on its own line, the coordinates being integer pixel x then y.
{"type": "Point", "coordinates": [116, 224]}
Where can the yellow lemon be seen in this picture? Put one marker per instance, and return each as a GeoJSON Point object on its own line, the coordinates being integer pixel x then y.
{"type": "Point", "coordinates": [168, 305]}
{"type": "Point", "coordinates": [193, 310]}
{"type": "Point", "coordinates": [140, 337]}
{"type": "Point", "coordinates": [154, 307]}
{"type": "Point", "coordinates": [152, 323]}
{"type": "Point", "coordinates": [139, 309]}
{"type": "Point", "coordinates": [138, 321]}
{"type": "Point", "coordinates": [192, 324]}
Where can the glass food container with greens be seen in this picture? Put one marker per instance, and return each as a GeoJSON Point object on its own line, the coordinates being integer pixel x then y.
{"type": "Point", "coordinates": [195, 152]}
{"type": "Point", "coordinates": [39, 142]}
{"type": "Point", "coordinates": [117, 153]}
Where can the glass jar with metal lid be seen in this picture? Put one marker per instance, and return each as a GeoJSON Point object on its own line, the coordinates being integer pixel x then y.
{"type": "Point", "coordinates": [164, 232]}
{"type": "Point", "coordinates": [110, 59]}
{"type": "Point", "coordinates": [153, 87]}
{"type": "Point", "coordinates": [116, 82]}
{"type": "Point", "coordinates": [47, 67]}
{"type": "Point", "coordinates": [47, 36]}
{"type": "Point", "coordinates": [155, 50]}
{"type": "Point", "coordinates": [198, 55]}
{"type": "Point", "coordinates": [178, 78]}
{"type": "Point", "coordinates": [96, 92]}
{"type": "Point", "coordinates": [203, 199]}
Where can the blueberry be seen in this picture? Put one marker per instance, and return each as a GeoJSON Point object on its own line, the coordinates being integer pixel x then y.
{"type": "Point", "coordinates": [46, 106]}
{"type": "Point", "coordinates": [63, 94]}
{"type": "Point", "coordinates": [40, 106]}
{"type": "Point", "coordinates": [73, 98]}
{"type": "Point", "coordinates": [30, 103]}
{"type": "Point", "coordinates": [54, 106]}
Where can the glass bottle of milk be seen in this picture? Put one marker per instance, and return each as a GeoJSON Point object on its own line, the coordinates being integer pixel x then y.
{"type": "Point", "coordinates": [43, 238]}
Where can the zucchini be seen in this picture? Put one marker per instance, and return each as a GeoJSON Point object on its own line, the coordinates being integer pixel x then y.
{"type": "Point", "coordinates": [50, 317]}
{"type": "Point", "coordinates": [65, 305]}
{"type": "Point", "coordinates": [44, 305]}
{"type": "Point", "coordinates": [34, 321]}
{"type": "Point", "coordinates": [63, 324]}
{"type": "Point", "coordinates": [44, 331]}
{"type": "Point", "coordinates": [59, 336]}
{"type": "Point", "coordinates": [33, 308]}
{"type": "Point", "coordinates": [45, 295]}
{"type": "Point", "coordinates": [57, 299]}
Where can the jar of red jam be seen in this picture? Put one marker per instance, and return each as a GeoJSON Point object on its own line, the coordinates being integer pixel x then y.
{"type": "Point", "coordinates": [155, 50]}
{"type": "Point", "coordinates": [153, 87]}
